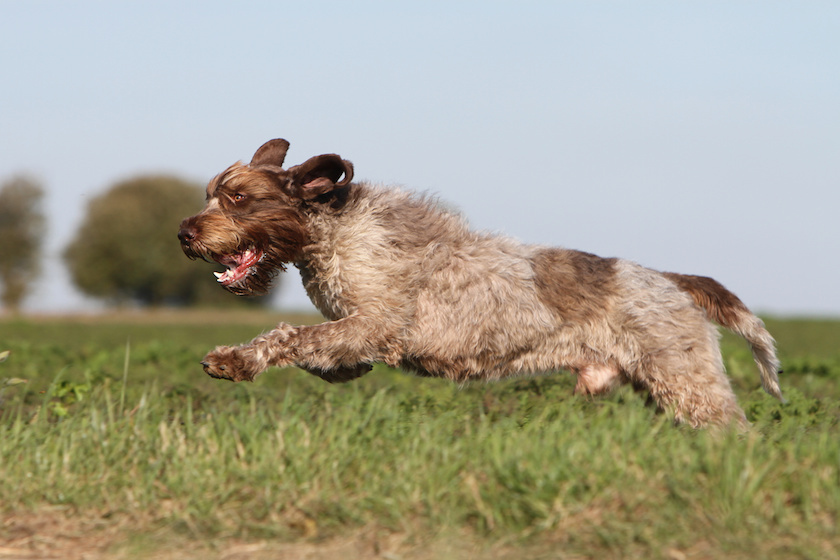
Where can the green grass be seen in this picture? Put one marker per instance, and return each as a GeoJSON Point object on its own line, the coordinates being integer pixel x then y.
{"type": "Point", "coordinates": [118, 428]}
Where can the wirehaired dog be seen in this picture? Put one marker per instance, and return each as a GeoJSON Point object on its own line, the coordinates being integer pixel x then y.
{"type": "Point", "coordinates": [406, 282]}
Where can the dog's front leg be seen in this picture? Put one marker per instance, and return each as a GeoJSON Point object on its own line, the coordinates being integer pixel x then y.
{"type": "Point", "coordinates": [336, 351]}
{"type": "Point", "coordinates": [340, 374]}
{"type": "Point", "coordinates": [342, 350]}
{"type": "Point", "coordinates": [243, 363]}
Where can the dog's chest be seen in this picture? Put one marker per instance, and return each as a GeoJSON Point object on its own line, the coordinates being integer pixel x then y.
{"type": "Point", "coordinates": [346, 268]}
{"type": "Point", "coordinates": [325, 291]}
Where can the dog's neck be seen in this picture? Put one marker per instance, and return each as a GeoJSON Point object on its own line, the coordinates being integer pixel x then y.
{"type": "Point", "coordinates": [327, 259]}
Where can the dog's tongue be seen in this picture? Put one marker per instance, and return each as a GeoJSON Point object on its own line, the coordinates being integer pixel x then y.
{"type": "Point", "coordinates": [238, 266]}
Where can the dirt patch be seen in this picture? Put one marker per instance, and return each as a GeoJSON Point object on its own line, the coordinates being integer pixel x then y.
{"type": "Point", "coordinates": [50, 533]}
{"type": "Point", "coordinates": [55, 533]}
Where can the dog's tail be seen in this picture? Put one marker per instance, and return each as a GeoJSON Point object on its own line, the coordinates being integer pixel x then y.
{"type": "Point", "coordinates": [724, 308]}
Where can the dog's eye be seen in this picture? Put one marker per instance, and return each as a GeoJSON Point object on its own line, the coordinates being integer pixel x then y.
{"type": "Point", "coordinates": [238, 197]}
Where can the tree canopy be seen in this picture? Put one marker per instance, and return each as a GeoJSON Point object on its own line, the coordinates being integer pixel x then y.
{"type": "Point", "coordinates": [126, 250]}
{"type": "Point", "coordinates": [21, 237]}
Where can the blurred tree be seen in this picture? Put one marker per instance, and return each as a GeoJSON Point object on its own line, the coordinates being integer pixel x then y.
{"type": "Point", "coordinates": [126, 249]}
{"type": "Point", "coordinates": [21, 236]}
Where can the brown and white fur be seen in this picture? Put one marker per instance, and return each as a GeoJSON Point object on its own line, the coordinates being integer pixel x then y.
{"type": "Point", "coordinates": [406, 282]}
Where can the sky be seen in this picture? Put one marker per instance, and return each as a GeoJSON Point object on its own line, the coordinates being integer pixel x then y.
{"type": "Point", "coordinates": [698, 137]}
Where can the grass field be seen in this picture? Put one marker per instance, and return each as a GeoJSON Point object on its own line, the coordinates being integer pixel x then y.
{"type": "Point", "coordinates": [114, 444]}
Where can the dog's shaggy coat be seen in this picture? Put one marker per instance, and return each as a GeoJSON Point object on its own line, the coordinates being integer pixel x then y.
{"type": "Point", "coordinates": [405, 281]}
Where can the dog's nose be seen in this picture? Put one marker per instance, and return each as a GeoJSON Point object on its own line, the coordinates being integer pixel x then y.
{"type": "Point", "coordinates": [187, 234]}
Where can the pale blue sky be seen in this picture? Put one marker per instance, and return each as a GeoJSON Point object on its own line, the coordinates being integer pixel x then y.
{"type": "Point", "coordinates": [700, 137]}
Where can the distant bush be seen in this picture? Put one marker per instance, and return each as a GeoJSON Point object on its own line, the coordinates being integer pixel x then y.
{"type": "Point", "coordinates": [21, 236]}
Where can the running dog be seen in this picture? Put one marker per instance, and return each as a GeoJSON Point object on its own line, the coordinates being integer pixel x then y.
{"type": "Point", "coordinates": [403, 280]}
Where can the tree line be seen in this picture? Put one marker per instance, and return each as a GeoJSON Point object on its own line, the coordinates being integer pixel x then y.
{"type": "Point", "coordinates": [125, 251]}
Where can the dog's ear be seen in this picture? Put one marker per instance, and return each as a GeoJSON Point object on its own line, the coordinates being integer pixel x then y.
{"type": "Point", "coordinates": [319, 175]}
{"type": "Point", "coordinates": [272, 152]}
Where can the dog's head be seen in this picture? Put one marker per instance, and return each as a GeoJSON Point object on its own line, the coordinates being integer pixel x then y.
{"type": "Point", "coordinates": [254, 221]}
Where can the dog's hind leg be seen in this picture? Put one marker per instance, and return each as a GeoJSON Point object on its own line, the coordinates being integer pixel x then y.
{"type": "Point", "coordinates": [693, 386]}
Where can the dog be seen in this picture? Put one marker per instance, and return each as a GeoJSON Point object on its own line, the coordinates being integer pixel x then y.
{"type": "Point", "coordinates": [403, 280]}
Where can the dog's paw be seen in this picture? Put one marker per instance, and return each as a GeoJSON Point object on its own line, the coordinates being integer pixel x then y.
{"type": "Point", "coordinates": [231, 363]}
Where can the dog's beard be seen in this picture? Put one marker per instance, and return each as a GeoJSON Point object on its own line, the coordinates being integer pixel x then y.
{"type": "Point", "coordinates": [239, 265]}
{"type": "Point", "coordinates": [245, 272]}
{"type": "Point", "coordinates": [250, 272]}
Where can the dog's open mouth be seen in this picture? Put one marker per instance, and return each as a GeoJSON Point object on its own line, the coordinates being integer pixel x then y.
{"type": "Point", "coordinates": [239, 265]}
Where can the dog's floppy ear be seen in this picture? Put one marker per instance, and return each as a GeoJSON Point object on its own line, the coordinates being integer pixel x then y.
{"type": "Point", "coordinates": [319, 175]}
{"type": "Point", "coordinates": [272, 152]}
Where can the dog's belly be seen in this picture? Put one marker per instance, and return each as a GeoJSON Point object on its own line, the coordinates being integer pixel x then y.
{"type": "Point", "coordinates": [483, 315]}
{"type": "Point", "coordinates": [488, 342]}
{"type": "Point", "coordinates": [541, 358]}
